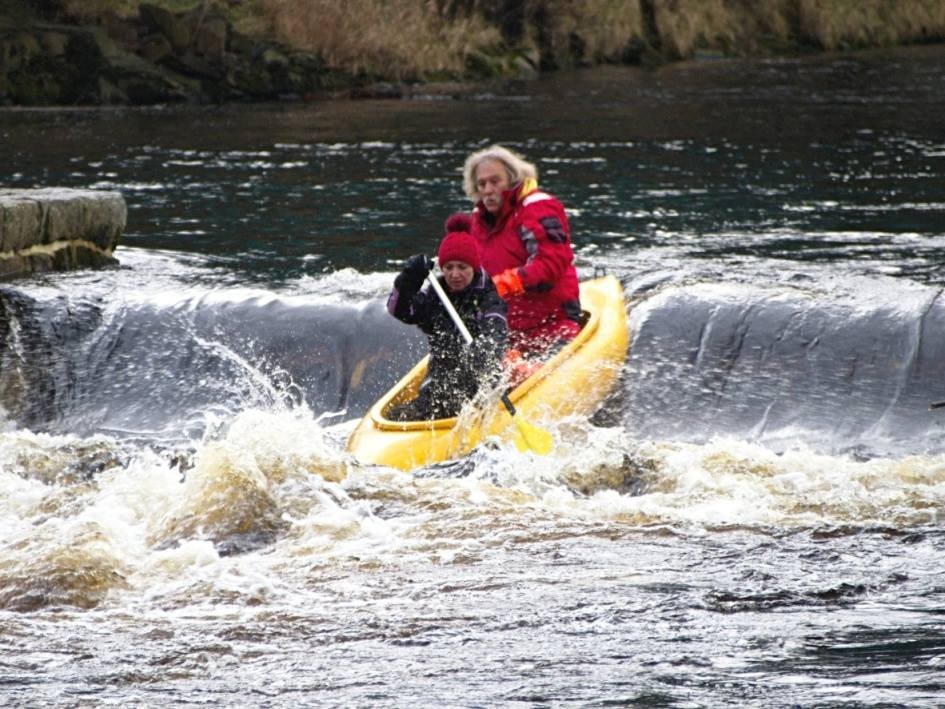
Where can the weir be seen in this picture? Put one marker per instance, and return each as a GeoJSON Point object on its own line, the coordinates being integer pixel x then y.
{"type": "Point", "coordinates": [58, 229]}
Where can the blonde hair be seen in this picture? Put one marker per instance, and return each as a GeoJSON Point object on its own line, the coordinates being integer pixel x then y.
{"type": "Point", "coordinates": [518, 168]}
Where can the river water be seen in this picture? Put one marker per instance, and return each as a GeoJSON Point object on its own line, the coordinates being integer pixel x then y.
{"type": "Point", "coordinates": [753, 519]}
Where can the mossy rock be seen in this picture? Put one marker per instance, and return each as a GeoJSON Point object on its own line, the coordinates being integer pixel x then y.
{"type": "Point", "coordinates": [32, 87]}
{"type": "Point", "coordinates": [54, 43]}
{"type": "Point", "coordinates": [17, 51]}
{"type": "Point", "coordinates": [179, 29]}
{"type": "Point", "coordinates": [481, 64]}
{"type": "Point", "coordinates": [146, 83]}
{"type": "Point", "coordinates": [252, 80]}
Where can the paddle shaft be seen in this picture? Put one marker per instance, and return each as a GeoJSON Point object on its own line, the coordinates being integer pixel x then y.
{"type": "Point", "coordinates": [529, 437]}
{"type": "Point", "coordinates": [448, 304]}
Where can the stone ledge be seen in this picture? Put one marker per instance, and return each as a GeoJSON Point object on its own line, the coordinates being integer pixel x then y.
{"type": "Point", "coordinates": [58, 229]}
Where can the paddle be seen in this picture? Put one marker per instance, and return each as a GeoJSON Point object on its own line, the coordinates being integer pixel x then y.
{"type": "Point", "coordinates": [936, 405]}
{"type": "Point", "coordinates": [530, 436]}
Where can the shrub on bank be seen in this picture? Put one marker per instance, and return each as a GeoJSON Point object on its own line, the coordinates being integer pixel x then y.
{"type": "Point", "coordinates": [124, 51]}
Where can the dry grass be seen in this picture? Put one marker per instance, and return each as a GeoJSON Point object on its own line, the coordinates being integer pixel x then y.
{"type": "Point", "coordinates": [840, 24]}
{"type": "Point", "coordinates": [730, 26]}
{"type": "Point", "coordinates": [686, 25]}
{"type": "Point", "coordinates": [402, 39]}
{"type": "Point", "coordinates": [412, 39]}
{"type": "Point", "coordinates": [746, 27]}
{"type": "Point", "coordinates": [431, 39]}
{"type": "Point", "coordinates": [603, 28]}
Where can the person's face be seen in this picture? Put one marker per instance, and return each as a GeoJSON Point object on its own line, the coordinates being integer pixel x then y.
{"type": "Point", "coordinates": [492, 179]}
{"type": "Point", "coordinates": [458, 275]}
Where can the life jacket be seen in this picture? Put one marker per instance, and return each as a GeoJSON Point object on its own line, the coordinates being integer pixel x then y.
{"type": "Point", "coordinates": [531, 234]}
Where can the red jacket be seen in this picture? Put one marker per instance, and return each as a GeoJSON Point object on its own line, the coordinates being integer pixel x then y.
{"type": "Point", "coordinates": [531, 234]}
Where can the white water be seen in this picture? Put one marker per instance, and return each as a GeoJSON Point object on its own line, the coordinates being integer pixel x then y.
{"type": "Point", "coordinates": [180, 524]}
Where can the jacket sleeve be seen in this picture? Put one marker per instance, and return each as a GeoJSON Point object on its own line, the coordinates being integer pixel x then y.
{"type": "Point", "coordinates": [410, 303]}
{"type": "Point", "coordinates": [545, 233]}
{"type": "Point", "coordinates": [489, 346]}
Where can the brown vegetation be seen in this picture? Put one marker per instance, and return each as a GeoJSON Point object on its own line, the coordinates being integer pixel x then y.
{"type": "Point", "coordinates": [433, 38]}
{"type": "Point", "coordinates": [843, 24]}
{"type": "Point", "coordinates": [732, 27]}
{"type": "Point", "coordinates": [748, 27]}
{"type": "Point", "coordinates": [586, 31]}
{"type": "Point", "coordinates": [365, 43]}
{"type": "Point", "coordinates": [424, 39]}
{"type": "Point", "coordinates": [403, 39]}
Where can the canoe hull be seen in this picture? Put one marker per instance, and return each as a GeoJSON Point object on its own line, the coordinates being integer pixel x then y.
{"type": "Point", "coordinates": [574, 382]}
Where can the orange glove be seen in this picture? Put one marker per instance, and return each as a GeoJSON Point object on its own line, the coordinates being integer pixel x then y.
{"type": "Point", "coordinates": [511, 358]}
{"type": "Point", "coordinates": [508, 283]}
{"type": "Point", "coordinates": [517, 368]}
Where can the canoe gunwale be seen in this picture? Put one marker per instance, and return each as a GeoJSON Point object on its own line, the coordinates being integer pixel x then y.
{"type": "Point", "coordinates": [575, 381]}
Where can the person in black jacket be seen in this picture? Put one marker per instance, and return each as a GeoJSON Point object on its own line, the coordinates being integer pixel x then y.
{"type": "Point", "coordinates": [456, 370]}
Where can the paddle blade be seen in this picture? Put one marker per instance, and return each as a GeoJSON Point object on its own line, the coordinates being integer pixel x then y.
{"type": "Point", "coordinates": [531, 438]}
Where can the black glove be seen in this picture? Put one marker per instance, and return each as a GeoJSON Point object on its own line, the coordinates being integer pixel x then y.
{"type": "Point", "coordinates": [417, 267]}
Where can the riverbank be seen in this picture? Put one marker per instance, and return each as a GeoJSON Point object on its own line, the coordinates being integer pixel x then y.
{"type": "Point", "coordinates": [120, 52]}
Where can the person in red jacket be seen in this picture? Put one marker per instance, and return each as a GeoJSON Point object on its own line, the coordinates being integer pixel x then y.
{"type": "Point", "coordinates": [525, 243]}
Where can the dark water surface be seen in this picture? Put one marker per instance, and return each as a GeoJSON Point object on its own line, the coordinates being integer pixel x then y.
{"type": "Point", "coordinates": [752, 520]}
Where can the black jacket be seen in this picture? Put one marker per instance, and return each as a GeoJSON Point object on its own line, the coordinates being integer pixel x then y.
{"type": "Point", "coordinates": [456, 370]}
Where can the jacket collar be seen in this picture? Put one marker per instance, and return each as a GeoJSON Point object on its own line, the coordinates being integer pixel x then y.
{"type": "Point", "coordinates": [511, 198]}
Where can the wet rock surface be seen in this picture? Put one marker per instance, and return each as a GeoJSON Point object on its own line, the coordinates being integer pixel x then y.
{"type": "Point", "coordinates": [58, 229]}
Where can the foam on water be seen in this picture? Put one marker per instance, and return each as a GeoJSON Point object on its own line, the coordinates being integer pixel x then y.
{"type": "Point", "coordinates": [268, 535]}
{"type": "Point", "coordinates": [86, 520]}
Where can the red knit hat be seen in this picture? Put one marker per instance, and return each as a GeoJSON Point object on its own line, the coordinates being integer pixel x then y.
{"type": "Point", "coordinates": [459, 244]}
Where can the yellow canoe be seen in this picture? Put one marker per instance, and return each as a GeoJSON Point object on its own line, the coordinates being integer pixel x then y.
{"type": "Point", "coordinates": [574, 382]}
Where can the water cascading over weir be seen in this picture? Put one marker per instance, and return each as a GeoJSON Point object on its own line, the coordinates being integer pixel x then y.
{"type": "Point", "coordinates": [48, 229]}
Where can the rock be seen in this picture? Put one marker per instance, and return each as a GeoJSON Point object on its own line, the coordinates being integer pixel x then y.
{"type": "Point", "coordinates": [12, 267]}
{"type": "Point", "coordinates": [146, 83]}
{"type": "Point", "coordinates": [34, 87]}
{"type": "Point", "coordinates": [483, 65]}
{"type": "Point", "coordinates": [163, 57]}
{"type": "Point", "coordinates": [22, 222]}
{"type": "Point", "coordinates": [381, 89]}
{"type": "Point", "coordinates": [120, 30]}
{"type": "Point", "coordinates": [523, 68]}
{"type": "Point", "coordinates": [211, 38]}
{"type": "Point", "coordinates": [86, 51]}
{"type": "Point", "coordinates": [240, 44]}
{"type": "Point", "coordinates": [109, 94]}
{"type": "Point", "coordinates": [155, 47]}
{"type": "Point", "coordinates": [56, 228]}
{"type": "Point", "coordinates": [54, 43]}
{"type": "Point", "coordinates": [17, 50]}
{"type": "Point", "coordinates": [273, 59]}
{"type": "Point", "coordinates": [189, 64]}
{"type": "Point", "coordinates": [251, 80]}
{"type": "Point", "coordinates": [179, 29]}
